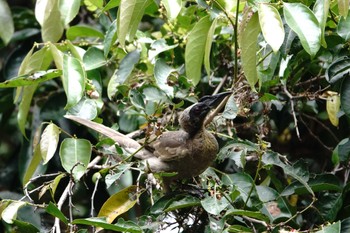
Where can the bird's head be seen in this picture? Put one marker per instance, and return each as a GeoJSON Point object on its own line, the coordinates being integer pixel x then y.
{"type": "Point", "coordinates": [192, 119]}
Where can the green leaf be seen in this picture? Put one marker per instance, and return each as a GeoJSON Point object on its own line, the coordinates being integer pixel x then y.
{"type": "Point", "coordinates": [53, 185]}
{"type": "Point", "coordinates": [26, 227]}
{"type": "Point", "coordinates": [184, 202]}
{"type": "Point", "coordinates": [161, 74]}
{"type": "Point", "coordinates": [213, 205]}
{"type": "Point", "coordinates": [93, 58]}
{"type": "Point", "coordinates": [271, 25]}
{"type": "Point", "coordinates": [31, 79]}
{"type": "Point", "coordinates": [343, 28]}
{"type": "Point", "coordinates": [48, 14]}
{"type": "Point", "coordinates": [68, 10]}
{"type": "Point", "coordinates": [130, 13]}
{"type": "Point", "coordinates": [24, 106]}
{"type": "Point", "coordinates": [9, 214]}
{"type": "Point", "coordinates": [329, 205]}
{"type": "Point", "coordinates": [343, 7]}
{"type": "Point", "coordinates": [119, 203]}
{"type": "Point", "coordinates": [345, 95]}
{"type": "Point", "coordinates": [120, 226]}
{"type": "Point", "coordinates": [33, 165]}
{"type": "Point", "coordinates": [6, 26]}
{"type": "Point", "coordinates": [54, 211]}
{"type": "Point", "coordinates": [110, 179]}
{"type": "Point", "coordinates": [86, 108]}
{"type": "Point", "coordinates": [341, 153]}
{"type": "Point", "coordinates": [298, 171]}
{"type": "Point", "coordinates": [73, 78]}
{"type": "Point", "coordinates": [305, 24]}
{"type": "Point", "coordinates": [208, 44]}
{"type": "Point", "coordinates": [136, 99]}
{"type": "Point", "coordinates": [231, 109]}
{"type": "Point", "coordinates": [321, 9]}
{"type": "Point", "coordinates": [195, 49]}
{"type": "Point", "coordinates": [172, 7]}
{"type": "Point", "coordinates": [75, 155]}
{"type": "Point", "coordinates": [111, 4]}
{"type": "Point", "coordinates": [110, 38]}
{"type": "Point", "coordinates": [49, 142]}
{"type": "Point", "coordinates": [80, 31]}
{"type": "Point", "coordinates": [249, 41]}
{"type": "Point", "coordinates": [57, 56]}
{"type": "Point", "coordinates": [125, 68]}
{"type": "Point", "coordinates": [336, 227]}
{"type": "Point", "coordinates": [40, 60]}
{"type": "Point", "coordinates": [337, 70]}
{"type": "Point", "coordinates": [248, 213]}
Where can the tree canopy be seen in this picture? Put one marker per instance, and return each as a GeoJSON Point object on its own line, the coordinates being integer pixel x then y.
{"type": "Point", "coordinates": [78, 74]}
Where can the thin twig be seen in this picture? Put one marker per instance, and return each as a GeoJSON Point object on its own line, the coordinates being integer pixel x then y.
{"type": "Point", "coordinates": [293, 111]}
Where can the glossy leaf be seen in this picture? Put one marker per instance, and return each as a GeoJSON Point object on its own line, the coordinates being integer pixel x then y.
{"type": "Point", "coordinates": [110, 38]}
{"type": "Point", "coordinates": [31, 79]}
{"type": "Point", "coordinates": [333, 107]}
{"type": "Point", "coordinates": [6, 26]}
{"type": "Point", "coordinates": [345, 95]}
{"type": "Point", "coordinates": [93, 58]}
{"type": "Point", "coordinates": [9, 214]}
{"type": "Point", "coordinates": [125, 68]}
{"type": "Point", "coordinates": [80, 31]}
{"type": "Point", "coordinates": [136, 99]}
{"type": "Point", "coordinates": [305, 24]}
{"type": "Point", "coordinates": [329, 205]}
{"type": "Point", "coordinates": [195, 49]}
{"type": "Point", "coordinates": [343, 7]}
{"type": "Point", "coordinates": [249, 41]}
{"type": "Point", "coordinates": [271, 25]}
{"type": "Point", "coordinates": [337, 70]}
{"type": "Point", "coordinates": [119, 203]}
{"type": "Point", "coordinates": [86, 108]}
{"type": "Point", "coordinates": [75, 155]}
{"type": "Point", "coordinates": [172, 7]}
{"type": "Point", "coordinates": [208, 44]}
{"type": "Point", "coordinates": [57, 56]}
{"type": "Point", "coordinates": [48, 14]}
{"type": "Point", "coordinates": [321, 9]}
{"type": "Point", "coordinates": [341, 153]}
{"type": "Point", "coordinates": [24, 106]}
{"type": "Point", "coordinates": [120, 226]}
{"type": "Point", "coordinates": [54, 211]}
{"type": "Point", "coordinates": [343, 28]}
{"type": "Point", "coordinates": [68, 10]}
{"type": "Point", "coordinates": [213, 205]}
{"type": "Point", "coordinates": [73, 78]}
{"type": "Point", "coordinates": [33, 165]}
{"type": "Point", "coordinates": [158, 47]}
{"type": "Point", "coordinates": [161, 74]}
{"type": "Point", "coordinates": [49, 142]}
{"type": "Point", "coordinates": [130, 13]}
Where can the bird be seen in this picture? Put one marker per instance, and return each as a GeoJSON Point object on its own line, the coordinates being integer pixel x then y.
{"type": "Point", "coordinates": [186, 152]}
{"type": "Point", "coordinates": [189, 151]}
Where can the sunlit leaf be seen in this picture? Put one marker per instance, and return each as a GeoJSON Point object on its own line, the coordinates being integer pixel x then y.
{"type": "Point", "coordinates": [343, 28]}
{"type": "Point", "coordinates": [208, 44]}
{"type": "Point", "coordinates": [249, 41]}
{"type": "Point", "coordinates": [158, 47]}
{"type": "Point", "coordinates": [321, 9]}
{"type": "Point", "coordinates": [271, 25]}
{"type": "Point", "coordinates": [31, 79]}
{"type": "Point", "coordinates": [305, 24]}
{"type": "Point", "coordinates": [86, 108]}
{"type": "Point", "coordinates": [57, 56]}
{"type": "Point", "coordinates": [73, 80]}
{"type": "Point", "coordinates": [49, 142]}
{"type": "Point", "coordinates": [110, 38]}
{"type": "Point", "coordinates": [80, 31]}
{"type": "Point", "coordinates": [75, 155]}
{"type": "Point", "coordinates": [119, 203]}
{"type": "Point", "coordinates": [343, 7]}
{"type": "Point", "coordinates": [161, 74]}
{"type": "Point", "coordinates": [172, 7]}
{"type": "Point", "coordinates": [68, 10]}
{"type": "Point", "coordinates": [130, 13]}
{"type": "Point", "coordinates": [195, 49]}
{"type": "Point", "coordinates": [9, 214]}
{"type": "Point", "coordinates": [6, 26]}
{"type": "Point", "coordinates": [213, 205]}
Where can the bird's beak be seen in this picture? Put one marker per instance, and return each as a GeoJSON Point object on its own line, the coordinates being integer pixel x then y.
{"type": "Point", "coordinates": [214, 100]}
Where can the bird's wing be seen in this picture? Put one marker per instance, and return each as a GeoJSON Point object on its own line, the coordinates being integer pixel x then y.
{"type": "Point", "coordinates": [171, 146]}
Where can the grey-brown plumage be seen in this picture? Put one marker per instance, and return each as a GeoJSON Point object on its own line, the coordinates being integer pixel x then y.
{"type": "Point", "coordinates": [189, 151]}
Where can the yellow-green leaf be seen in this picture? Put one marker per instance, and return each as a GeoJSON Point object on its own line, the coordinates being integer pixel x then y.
{"type": "Point", "coordinates": [208, 44]}
{"type": "Point", "coordinates": [6, 26]}
{"type": "Point", "coordinates": [119, 203]}
{"type": "Point", "coordinates": [343, 7]}
{"type": "Point", "coordinates": [194, 52]}
{"type": "Point", "coordinates": [271, 25]}
{"type": "Point", "coordinates": [49, 142]}
{"type": "Point", "coordinates": [172, 7]}
{"type": "Point", "coordinates": [249, 41]}
{"type": "Point", "coordinates": [33, 165]}
{"type": "Point", "coordinates": [333, 107]}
